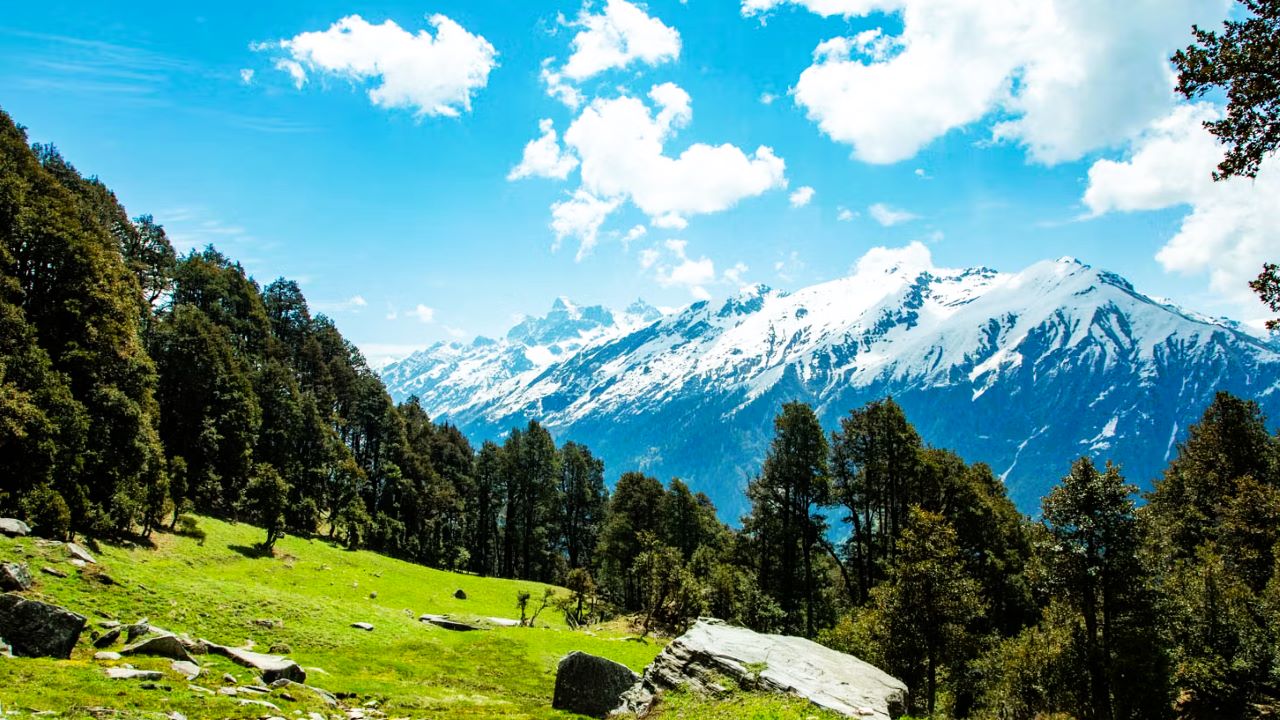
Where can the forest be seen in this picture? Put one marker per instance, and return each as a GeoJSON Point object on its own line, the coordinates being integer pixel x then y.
{"type": "Point", "coordinates": [140, 388]}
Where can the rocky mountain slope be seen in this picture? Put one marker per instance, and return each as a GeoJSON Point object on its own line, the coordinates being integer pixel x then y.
{"type": "Point", "coordinates": [1023, 371]}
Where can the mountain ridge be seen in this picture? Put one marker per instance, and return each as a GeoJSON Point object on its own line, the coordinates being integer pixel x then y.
{"type": "Point", "coordinates": [984, 362]}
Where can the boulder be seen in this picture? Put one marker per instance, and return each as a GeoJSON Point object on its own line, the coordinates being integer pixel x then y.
{"type": "Point", "coordinates": [119, 673]}
{"type": "Point", "coordinates": [362, 626]}
{"type": "Point", "coordinates": [167, 646]}
{"type": "Point", "coordinates": [14, 527]}
{"type": "Point", "coordinates": [712, 652]}
{"type": "Point", "coordinates": [447, 624]}
{"type": "Point", "coordinates": [14, 577]}
{"type": "Point", "coordinates": [591, 685]}
{"type": "Point", "coordinates": [79, 553]}
{"type": "Point", "coordinates": [272, 667]}
{"type": "Point", "coordinates": [108, 638]}
{"type": "Point", "coordinates": [460, 594]}
{"type": "Point", "coordinates": [35, 629]}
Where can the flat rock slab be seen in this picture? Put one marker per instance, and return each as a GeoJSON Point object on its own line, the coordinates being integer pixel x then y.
{"type": "Point", "coordinates": [503, 622]}
{"type": "Point", "coordinates": [131, 674]}
{"type": "Point", "coordinates": [362, 626]}
{"type": "Point", "coordinates": [189, 670]}
{"type": "Point", "coordinates": [591, 685]}
{"type": "Point", "coordinates": [272, 667]}
{"type": "Point", "coordinates": [14, 527]}
{"type": "Point", "coordinates": [447, 624]}
{"type": "Point", "coordinates": [79, 553]}
{"type": "Point", "coordinates": [167, 646]}
{"type": "Point", "coordinates": [35, 629]}
{"type": "Point", "coordinates": [711, 651]}
{"type": "Point", "coordinates": [14, 577]}
{"type": "Point", "coordinates": [53, 571]}
{"type": "Point", "coordinates": [107, 655]}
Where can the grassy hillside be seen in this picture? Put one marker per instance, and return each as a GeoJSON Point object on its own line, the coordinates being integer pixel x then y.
{"type": "Point", "coordinates": [216, 590]}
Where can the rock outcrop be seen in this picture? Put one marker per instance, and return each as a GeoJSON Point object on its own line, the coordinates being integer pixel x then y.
{"type": "Point", "coordinates": [35, 629]}
{"type": "Point", "coordinates": [272, 667]}
{"type": "Point", "coordinates": [167, 646]}
{"type": "Point", "coordinates": [591, 685]}
{"type": "Point", "coordinates": [14, 577]}
{"type": "Point", "coordinates": [14, 527]}
{"type": "Point", "coordinates": [711, 652]}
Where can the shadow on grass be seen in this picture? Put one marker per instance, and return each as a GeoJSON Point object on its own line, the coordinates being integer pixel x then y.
{"type": "Point", "coordinates": [253, 552]}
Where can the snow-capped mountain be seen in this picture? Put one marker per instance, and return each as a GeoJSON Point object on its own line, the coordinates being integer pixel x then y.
{"type": "Point", "coordinates": [1024, 371]}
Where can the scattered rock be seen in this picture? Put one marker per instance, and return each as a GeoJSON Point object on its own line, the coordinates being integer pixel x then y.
{"type": "Point", "coordinates": [167, 646]}
{"type": "Point", "coordinates": [14, 527]}
{"type": "Point", "coordinates": [201, 690]}
{"type": "Point", "coordinates": [229, 678]}
{"type": "Point", "coordinates": [254, 689]}
{"type": "Point", "coordinates": [503, 622]}
{"type": "Point", "coordinates": [447, 624]}
{"type": "Point", "coordinates": [187, 669]}
{"type": "Point", "coordinates": [108, 624]}
{"type": "Point", "coordinates": [53, 571]}
{"type": "Point", "coordinates": [373, 595]}
{"type": "Point", "coordinates": [119, 673]}
{"type": "Point", "coordinates": [281, 649]}
{"type": "Point", "coordinates": [591, 685]}
{"type": "Point", "coordinates": [712, 652]}
{"type": "Point", "coordinates": [106, 655]}
{"type": "Point", "coordinates": [35, 629]}
{"type": "Point", "coordinates": [79, 553]}
{"type": "Point", "coordinates": [272, 667]}
{"type": "Point", "coordinates": [460, 594]}
{"type": "Point", "coordinates": [228, 691]}
{"type": "Point", "coordinates": [14, 576]}
{"type": "Point", "coordinates": [260, 703]}
{"type": "Point", "coordinates": [77, 562]}
{"type": "Point", "coordinates": [362, 626]}
{"type": "Point", "coordinates": [328, 697]}
{"type": "Point", "coordinates": [108, 638]}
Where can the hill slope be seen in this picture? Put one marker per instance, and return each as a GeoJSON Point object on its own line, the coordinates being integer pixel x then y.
{"type": "Point", "coordinates": [1023, 371]}
{"type": "Point", "coordinates": [216, 591]}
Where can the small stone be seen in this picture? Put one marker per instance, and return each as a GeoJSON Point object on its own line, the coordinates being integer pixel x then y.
{"type": "Point", "coordinates": [80, 553]}
{"type": "Point", "coordinates": [460, 594]}
{"type": "Point", "coordinates": [14, 576]}
{"type": "Point", "coordinates": [373, 595]}
{"type": "Point", "coordinates": [261, 703]}
{"type": "Point", "coordinates": [78, 563]}
{"type": "Point", "coordinates": [189, 670]}
{"type": "Point", "coordinates": [53, 571]}
{"type": "Point", "coordinates": [201, 690]}
{"type": "Point", "coordinates": [362, 626]}
{"type": "Point", "coordinates": [106, 655]}
{"type": "Point", "coordinates": [229, 678]}
{"type": "Point", "coordinates": [120, 673]}
{"type": "Point", "coordinates": [108, 638]}
{"type": "Point", "coordinates": [228, 691]}
{"type": "Point", "coordinates": [108, 624]}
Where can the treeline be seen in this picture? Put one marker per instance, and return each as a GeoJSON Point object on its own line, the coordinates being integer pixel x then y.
{"type": "Point", "coordinates": [137, 385]}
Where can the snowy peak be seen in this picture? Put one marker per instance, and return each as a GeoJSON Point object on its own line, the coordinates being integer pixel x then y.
{"type": "Point", "coordinates": [565, 321]}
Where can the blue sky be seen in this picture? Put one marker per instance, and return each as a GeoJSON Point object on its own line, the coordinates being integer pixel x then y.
{"type": "Point", "coordinates": [995, 133]}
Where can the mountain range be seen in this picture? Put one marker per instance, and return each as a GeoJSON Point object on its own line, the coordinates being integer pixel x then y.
{"type": "Point", "coordinates": [1023, 371]}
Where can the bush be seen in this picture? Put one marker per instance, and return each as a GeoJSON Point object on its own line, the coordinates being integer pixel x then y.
{"type": "Point", "coordinates": [189, 526]}
{"type": "Point", "coordinates": [48, 513]}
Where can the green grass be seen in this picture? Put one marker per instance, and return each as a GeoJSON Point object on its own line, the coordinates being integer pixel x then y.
{"type": "Point", "coordinates": [216, 590]}
{"type": "Point", "coordinates": [739, 706]}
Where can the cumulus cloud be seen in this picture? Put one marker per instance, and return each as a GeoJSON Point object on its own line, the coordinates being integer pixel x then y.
{"type": "Point", "coordinates": [1065, 76]}
{"type": "Point", "coordinates": [888, 216]}
{"type": "Point", "coordinates": [880, 260]}
{"type": "Point", "coordinates": [802, 196]}
{"type": "Point", "coordinates": [543, 157]}
{"type": "Point", "coordinates": [619, 142]}
{"type": "Point", "coordinates": [844, 214]}
{"type": "Point", "coordinates": [619, 36]}
{"type": "Point", "coordinates": [424, 314]}
{"type": "Point", "coordinates": [683, 271]}
{"type": "Point", "coordinates": [246, 76]}
{"type": "Point", "coordinates": [428, 74]}
{"type": "Point", "coordinates": [581, 216]}
{"type": "Point", "coordinates": [1230, 227]}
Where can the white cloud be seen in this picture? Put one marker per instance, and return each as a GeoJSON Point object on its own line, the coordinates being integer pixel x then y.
{"type": "Point", "coordinates": [431, 75]}
{"type": "Point", "coordinates": [789, 267]}
{"type": "Point", "coordinates": [844, 214]}
{"type": "Point", "coordinates": [246, 76]}
{"type": "Point", "coordinates": [624, 33]}
{"type": "Point", "coordinates": [680, 270]}
{"type": "Point", "coordinates": [543, 156]}
{"type": "Point", "coordinates": [649, 257]}
{"type": "Point", "coordinates": [1231, 227]}
{"type": "Point", "coordinates": [888, 216]}
{"type": "Point", "coordinates": [767, 98]}
{"type": "Point", "coordinates": [581, 216]}
{"type": "Point", "coordinates": [634, 234]}
{"type": "Point", "coordinates": [424, 314]}
{"type": "Point", "coordinates": [1065, 76]}
{"type": "Point", "coordinates": [620, 144]}
{"type": "Point", "coordinates": [880, 260]}
{"type": "Point", "coordinates": [802, 196]}
{"type": "Point", "coordinates": [735, 275]}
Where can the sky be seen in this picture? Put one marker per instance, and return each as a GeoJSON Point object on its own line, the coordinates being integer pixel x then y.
{"type": "Point", "coordinates": [434, 170]}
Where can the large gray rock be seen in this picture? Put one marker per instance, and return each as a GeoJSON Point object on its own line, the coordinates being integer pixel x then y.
{"type": "Point", "coordinates": [590, 685]}
{"type": "Point", "coordinates": [167, 646]}
{"type": "Point", "coordinates": [35, 629]}
{"type": "Point", "coordinates": [14, 527]}
{"type": "Point", "coordinates": [14, 576]}
{"type": "Point", "coordinates": [711, 651]}
{"type": "Point", "coordinates": [79, 553]}
{"type": "Point", "coordinates": [272, 667]}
